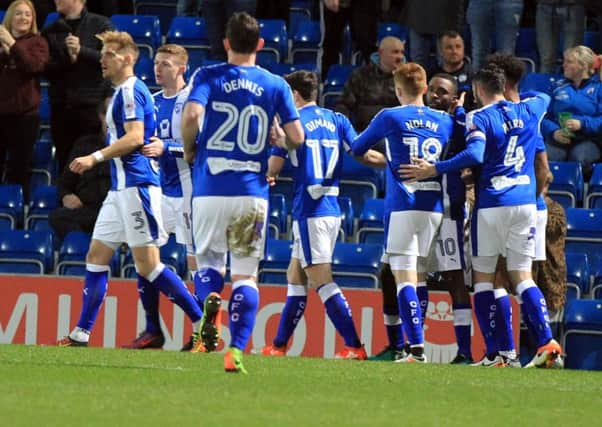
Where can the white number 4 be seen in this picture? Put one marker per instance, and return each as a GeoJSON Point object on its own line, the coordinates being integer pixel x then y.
{"type": "Point", "coordinates": [515, 156]}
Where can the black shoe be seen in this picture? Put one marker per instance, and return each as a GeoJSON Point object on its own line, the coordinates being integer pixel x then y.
{"type": "Point", "coordinates": [462, 359]}
{"type": "Point", "coordinates": [189, 344]}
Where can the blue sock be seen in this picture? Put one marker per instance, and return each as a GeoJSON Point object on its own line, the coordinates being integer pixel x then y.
{"type": "Point", "coordinates": [536, 310]}
{"type": "Point", "coordinates": [207, 280]}
{"type": "Point", "coordinates": [95, 290]}
{"type": "Point", "coordinates": [393, 327]}
{"type": "Point", "coordinates": [423, 296]}
{"type": "Point", "coordinates": [339, 313]}
{"type": "Point", "coordinates": [242, 310]}
{"type": "Point", "coordinates": [503, 321]}
{"type": "Point", "coordinates": [296, 300]}
{"type": "Point", "coordinates": [172, 286]}
{"type": "Point", "coordinates": [409, 310]}
{"type": "Point", "coordinates": [484, 308]}
{"type": "Point", "coordinates": [462, 323]}
{"type": "Point", "coordinates": [149, 296]}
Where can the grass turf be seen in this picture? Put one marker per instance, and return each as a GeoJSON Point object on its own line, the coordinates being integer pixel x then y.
{"type": "Point", "coordinates": [73, 386]}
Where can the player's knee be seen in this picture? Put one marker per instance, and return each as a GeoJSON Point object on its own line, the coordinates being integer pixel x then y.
{"type": "Point", "coordinates": [318, 275]}
{"type": "Point", "coordinates": [100, 253]}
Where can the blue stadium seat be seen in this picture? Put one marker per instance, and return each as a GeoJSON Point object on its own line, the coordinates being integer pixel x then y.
{"type": "Point", "coordinates": [284, 185]}
{"type": "Point", "coordinates": [577, 275]}
{"type": "Point", "coordinates": [2, 13]}
{"type": "Point", "coordinates": [526, 45]}
{"type": "Point", "coordinates": [278, 213]}
{"type": "Point", "coordinates": [347, 217]}
{"type": "Point", "coordinates": [275, 49]}
{"type": "Point", "coordinates": [370, 227]}
{"type": "Point", "coordinates": [11, 206]}
{"type": "Point", "coordinates": [44, 107]}
{"type": "Point", "coordinates": [50, 18]}
{"type": "Point", "coordinates": [71, 259]}
{"type": "Point", "coordinates": [567, 188]}
{"type": "Point", "coordinates": [145, 71]}
{"type": "Point", "coordinates": [596, 272]}
{"type": "Point", "coordinates": [306, 42]}
{"type": "Point", "coordinates": [43, 165]}
{"type": "Point", "coordinates": [191, 33]}
{"type": "Point", "coordinates": [144, 29]}
{"type": "Point", "coordinates": [164, 9]}
{"type": "Point", "coordinates": [296, 17]}
{"type": "Point", "coordinates": [591, 39]}
{"type": "Point", "coordinates": [275, 263]}
{"type": "Point", "coordinates": [584, 231]}
{"type": "Point", "coordinates": [582, 338]}
{"type": "Point", "coordinates": [44, 199]}
{"type": "Point", "coordinates": [173, 255]}
{"type": "Point", "coordinates": [26, 251]}
{"type": "Point", "coordinates": [593, 199]}
{"type": "Point", "coordinates": [356, 265]}
{"type": "Point", "coordinates": [282, 69]}
{"type": "Point", "coordinates": [386, 29]}
{"type": "Point", "coordinates": [353, 170]}
{"type": "Point", "coordinates": [333, 84]}
{"type": "Point", "coordinates": [541, 82]}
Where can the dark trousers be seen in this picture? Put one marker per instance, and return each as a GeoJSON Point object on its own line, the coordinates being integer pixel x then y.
{"type": "Point", "coordinates": [18, 134]}
{"type": "Point", "coordinates": [362, 17]}
{"type": "Point", "coordinates": [273, 9]}
{"type": "Point", "coordinates": [67, 125]}
{"type": "Point", "coordinates": [63, 220]}
{"type": "Point", "coordinates": [216, 14]}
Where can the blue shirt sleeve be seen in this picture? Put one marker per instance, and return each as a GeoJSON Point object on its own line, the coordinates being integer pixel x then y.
{"type": "Point", "coordinates": [375, 131]}
{"type": "Point", "coordinates": [346, 131]}
{"type": "Point", "coordinates": [173, 149]}
{"type": "Point", "coordinates": [133, 104]}
{"type": "Point", "coordinates": [286, 105]}
{"type": "Point", "coordinates": [200, 88]}
{"type": "Point", "coordinates": [474, 152]}
{"type": "Point", "coordinates": [279, 152]}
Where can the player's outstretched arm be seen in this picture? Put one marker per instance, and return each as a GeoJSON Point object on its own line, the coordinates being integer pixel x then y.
{"type": "Point", "coordinates": [275, 165]}
{"type": "Point", "coordinates": [155, 148]}
{"type": "Point", "coordinates": [130, 141]}
{"type": "Point", "coordinates": [373, 159]}
{"type": "Point", "coordinates": [191, 116]}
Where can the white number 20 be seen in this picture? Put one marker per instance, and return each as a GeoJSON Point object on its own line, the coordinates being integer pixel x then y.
{"type": "Point", "coordinates": [515, 156]}
{"type": "Point", "coordinates": [243, 120]}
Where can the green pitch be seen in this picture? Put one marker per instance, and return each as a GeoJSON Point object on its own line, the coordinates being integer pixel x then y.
{"type": "Point", "coordinates": [47, 386]}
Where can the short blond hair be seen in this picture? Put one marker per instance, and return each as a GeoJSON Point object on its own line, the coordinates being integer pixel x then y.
{"type": "Point", "coordinates": [10, 14]}
{"type": "Point", "coordinates": [411, 77]}
{"type": "Point", "coordinates": [179, 52]}
{"type": "Point", "coordinates": [584, 56]}
{"type": "Point", "coordinates": [123, 40]}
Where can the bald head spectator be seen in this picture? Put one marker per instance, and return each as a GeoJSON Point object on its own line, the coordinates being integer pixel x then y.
{"type": "Point", "coordinates": [370, 88]}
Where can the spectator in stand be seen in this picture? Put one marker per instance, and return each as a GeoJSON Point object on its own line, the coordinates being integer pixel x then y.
{"type": "Point", "coordinates": [594, 7]}
{"type": "Point", "coordinates": [23, 56]}
{"type": "Point", "coordinates": [273, 9]}
{"type": "Point", "coordinates": [74, 73]}
{"type": "Point", "coordinates": [217, 13]}
{"type": "Point", "coordinates": [104, 7]}
{"type": "Point", "coordinates": [453, 60]}
{"type": "Point", "coordinates": [493, 17]}
{"type": "Point", "coordinates": [371, 88]}
{"type": "Point", "coordinates": [188, 7]}
{"type": "Point", "coordinates": [573, 126]}
{"type": "Point", "coordinates": [362, 17]}
{"type": "Point", "coordinates": [553, 18]}
{"type": "Point", "coordinates": [82, 195]}
{"type": "Point", "coordinates": [428, 19]}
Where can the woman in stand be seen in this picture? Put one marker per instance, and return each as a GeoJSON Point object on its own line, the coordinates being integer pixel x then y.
{"type": "Point", "coordinates": [23, 56]}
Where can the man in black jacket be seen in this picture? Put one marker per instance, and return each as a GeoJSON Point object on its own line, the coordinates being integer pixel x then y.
{"type": "Point", "coordinates": [82, 195]}
{"type": "Point", "coordinates": [76, 83]}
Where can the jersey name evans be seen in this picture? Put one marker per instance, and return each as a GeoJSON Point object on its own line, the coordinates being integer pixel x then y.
{"type": "Point", "coordinates": [245, 84]}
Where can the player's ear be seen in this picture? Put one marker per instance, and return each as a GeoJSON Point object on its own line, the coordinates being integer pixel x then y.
{"type": "Point", "coordinates": [226, 43]}
{"type": "Point", "coordinates": [260, 44]}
